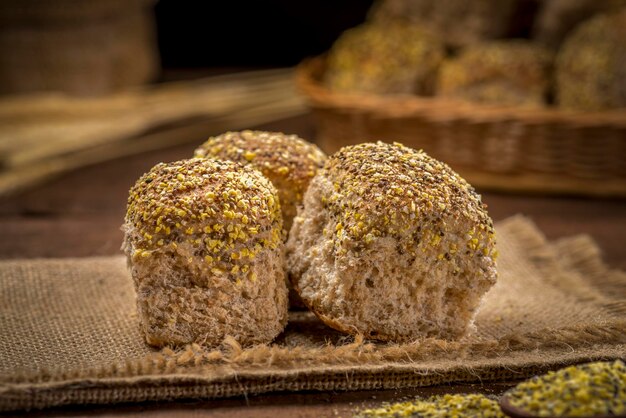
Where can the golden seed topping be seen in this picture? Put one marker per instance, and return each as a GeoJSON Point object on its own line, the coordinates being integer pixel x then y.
{"type": "Point", "coordinates": [286, 160]}
{"type": "Point", "coordinates": [384, 189]}
{"type": "Point", "coordinates": [190, 207]}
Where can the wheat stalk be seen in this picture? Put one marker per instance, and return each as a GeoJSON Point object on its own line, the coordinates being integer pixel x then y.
{"type": "Point", "coordinates": [15, 180]}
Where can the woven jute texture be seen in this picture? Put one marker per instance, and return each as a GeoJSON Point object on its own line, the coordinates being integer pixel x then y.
{"type": "Point", "coordinates": [69, 334]}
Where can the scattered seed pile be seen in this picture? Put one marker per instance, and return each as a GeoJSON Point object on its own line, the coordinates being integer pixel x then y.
{"type": "Point", "coordinates": [576, 391]}
{"type": "Point", "coordinates": [459, 406]}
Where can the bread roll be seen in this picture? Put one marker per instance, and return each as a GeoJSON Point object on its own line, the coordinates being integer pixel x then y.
{"type": "Point", "coordinates": [557, 18]}
{"type": "Point", "coordinates": [591, 65]}
{"type": "Point", "coordinates": [385, 59]}
{"type": "Point", "coordinates": [459, 22]}
{"type": "Point", "coordinates": [288, 161]}
{"type": "Point", "coordinates": [204, 245]}
{"type": "Point", "coordinates": [514, 72]}
{"type": "Point", "coordinates": [392, 244]}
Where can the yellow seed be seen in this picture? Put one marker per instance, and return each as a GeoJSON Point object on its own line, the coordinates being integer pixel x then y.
{"type": "Point", "coordinates": [249, 155]}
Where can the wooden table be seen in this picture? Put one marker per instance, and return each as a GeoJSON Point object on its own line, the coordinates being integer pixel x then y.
{"type": "Point", "coordinates": [80, 215]}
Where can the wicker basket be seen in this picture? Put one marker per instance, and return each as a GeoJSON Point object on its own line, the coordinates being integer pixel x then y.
{"type": "Point", "coordinates": [502, 148]}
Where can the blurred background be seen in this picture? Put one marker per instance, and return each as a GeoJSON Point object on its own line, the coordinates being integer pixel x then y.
{"type": "Point", "coordinates": [240, 33]}
{"type": "Point", "coordinates": [517, 95]}
{"type": "Point", "coordinates": [92, 47]}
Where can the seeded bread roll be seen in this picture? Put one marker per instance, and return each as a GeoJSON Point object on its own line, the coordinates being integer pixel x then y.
{"type": "Point", "coordinates": [513, 72]}
{"type": "Point", "coordinates": [392, 244]}
{"type": "Point", "coordinates": [591, 65]}
{"type": "Point", "coordinates": [557, 18]}
{"type": "Point", "coordinates": [288, 161]}
{"type": "Point", "coordinates": [204, 245]}
{"type": "Point", "coordinates": [459, 22]}
{"type": "Point", "coordinates": [393, 58]}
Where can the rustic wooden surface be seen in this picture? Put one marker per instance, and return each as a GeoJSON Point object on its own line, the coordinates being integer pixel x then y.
{"type": "Point", "coordinates": [80, 214]}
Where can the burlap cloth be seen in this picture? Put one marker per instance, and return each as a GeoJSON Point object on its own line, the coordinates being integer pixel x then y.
{"type": "Point", "coordinates": [69, 334]}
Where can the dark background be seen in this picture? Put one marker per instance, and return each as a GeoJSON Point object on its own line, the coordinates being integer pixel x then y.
{"type": "Point", "coordinates": [238, 33]}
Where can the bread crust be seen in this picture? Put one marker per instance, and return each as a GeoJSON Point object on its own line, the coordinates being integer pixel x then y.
{"type": "Point", "coordinates": [288, 161]}
{"type": "Point", "coordinates": [203, 240]}
{"type": "Point", "coordinates": [393, 245]}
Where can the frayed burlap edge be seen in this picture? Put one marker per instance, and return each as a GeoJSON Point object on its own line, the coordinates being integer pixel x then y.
{"type": "Point", "coordinates": [184, 386]}
{"type": "Point", "coordinates": [194, 372]}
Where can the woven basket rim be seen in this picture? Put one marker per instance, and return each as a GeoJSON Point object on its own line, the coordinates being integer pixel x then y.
{"type": "Point", "coordinates": [308, 80]}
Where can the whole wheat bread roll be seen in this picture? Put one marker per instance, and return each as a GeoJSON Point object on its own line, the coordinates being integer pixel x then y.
{"type": "Point", "coordinates": [204, 245]}
{"type": "Point", "coordinates": [591, 64]}
{"type": "Point", "coordinates": [392, 244]}
{"type": "Point", "coordinates": [510, 72]}
{"type": "Point", "coordinates": [556, 18]}
{"type": "Point", "coordinates": [288, 161]}
{"type": "Point", "coordinates": [459, 22]}
{"type": "Point", "coordinates": [385, 58]}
